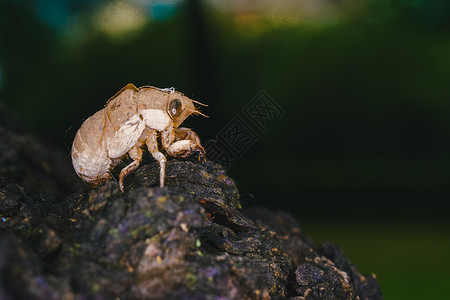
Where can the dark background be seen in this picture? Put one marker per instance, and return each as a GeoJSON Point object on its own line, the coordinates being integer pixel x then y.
{"type": "Point", "coordinates": [361, 155]}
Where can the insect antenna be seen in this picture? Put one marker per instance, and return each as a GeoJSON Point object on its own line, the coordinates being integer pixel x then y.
{"type": "Point", "coordinates": [199, 103]}
{"type": "Point", "coordinates": [197, 112]}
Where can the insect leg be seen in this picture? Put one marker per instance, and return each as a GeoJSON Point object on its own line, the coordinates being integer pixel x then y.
{"type": "Point", "coordinates": [186, 143]}
{"type": "Point", "coordinates": [136, 155]}
{"type": "Point", "coordinates": [152, 146]}
{"type": "Point", "coordinates": [167, 137]}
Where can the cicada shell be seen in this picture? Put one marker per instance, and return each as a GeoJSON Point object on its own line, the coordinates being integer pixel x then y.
{"type": "Point", "coordinates": [129, 122]}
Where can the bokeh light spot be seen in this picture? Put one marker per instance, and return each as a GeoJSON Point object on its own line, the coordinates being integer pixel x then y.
{"type": "Point", "coordinates": [119, 17]}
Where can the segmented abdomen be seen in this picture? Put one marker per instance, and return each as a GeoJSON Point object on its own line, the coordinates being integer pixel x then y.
{"type": "Point", "coordinates": [89, 156]}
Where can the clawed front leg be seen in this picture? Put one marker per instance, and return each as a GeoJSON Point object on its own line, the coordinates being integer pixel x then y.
{"type": "Point", "coordinates": [180, 142]}
{"type": "Point", "coordinates": [185, 143]}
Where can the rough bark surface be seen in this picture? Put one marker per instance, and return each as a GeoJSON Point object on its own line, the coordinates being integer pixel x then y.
{"type": "Point", "coordinates": [188, 240]}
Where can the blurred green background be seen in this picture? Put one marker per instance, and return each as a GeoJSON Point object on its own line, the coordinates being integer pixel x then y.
{"type": "Point", "coordinates": [361, 155]}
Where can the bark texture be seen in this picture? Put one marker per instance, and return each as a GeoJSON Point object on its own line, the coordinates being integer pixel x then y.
{"type": "Point", "coordinates": [188, 240]}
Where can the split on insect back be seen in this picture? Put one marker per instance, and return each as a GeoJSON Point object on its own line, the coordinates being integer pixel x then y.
{"type": "Point", "coordinates": [131, 120]}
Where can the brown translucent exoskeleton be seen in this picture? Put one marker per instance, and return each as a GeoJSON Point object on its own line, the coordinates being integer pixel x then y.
{"type": "Point", "coordinates": [131, 119]}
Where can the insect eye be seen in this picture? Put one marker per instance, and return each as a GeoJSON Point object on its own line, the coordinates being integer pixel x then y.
{"type": "Point", "coordinates": [174, 108]}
